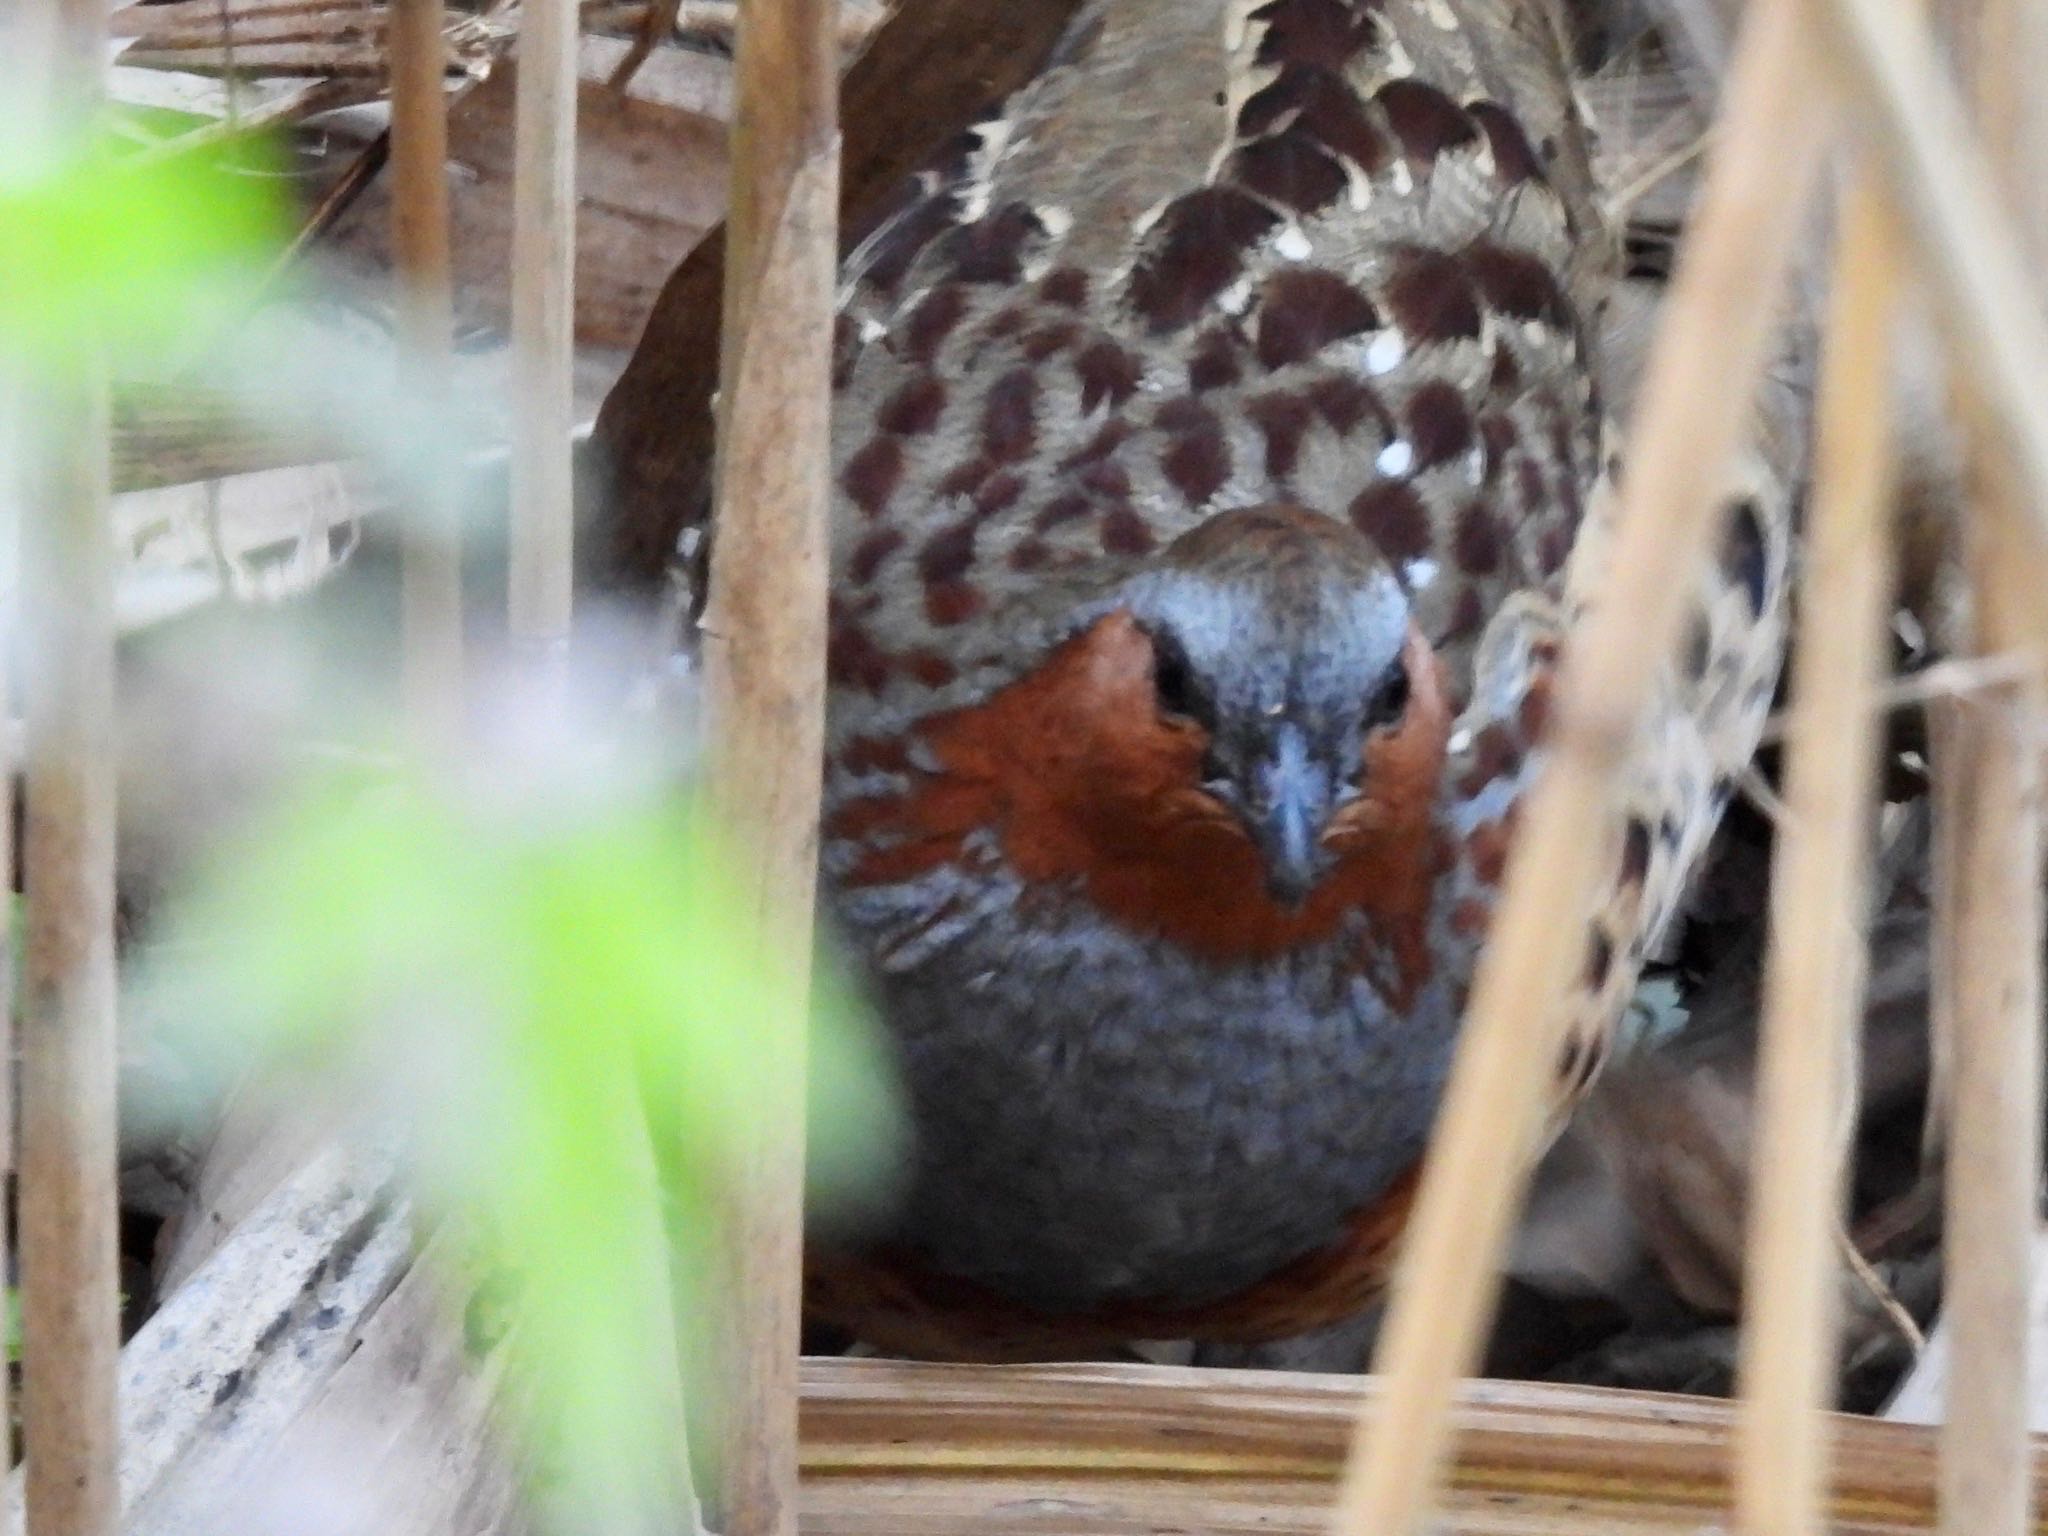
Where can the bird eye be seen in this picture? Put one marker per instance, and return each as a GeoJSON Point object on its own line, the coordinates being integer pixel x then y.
{"type": "Point", "coordinates": [1172, 681]}
{"type": "Point", "coordinates": [1391, 701]}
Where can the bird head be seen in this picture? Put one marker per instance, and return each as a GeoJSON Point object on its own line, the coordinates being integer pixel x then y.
{"type": "Point", "coordinates": [1282, 641]}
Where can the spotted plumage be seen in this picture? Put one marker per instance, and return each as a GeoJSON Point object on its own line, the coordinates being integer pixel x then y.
{"type": "Point", "coordinates": [1218, 460]}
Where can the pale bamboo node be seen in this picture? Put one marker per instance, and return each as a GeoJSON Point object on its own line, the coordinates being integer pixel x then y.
{"type": "Point", "coordinates": [1813, 979]}
{"type": "Point", "coordinates": [764, 665]}
{"type": "Point", "coordinates": [432, 567]}
{"type": "Point", "coordinates": [70, 1276]}
{"type": "Point", "coordinates": [1991, 909]}
{"type": "Point", "coordinates": [1708, 357]}
{"type": "Point", "coordinates": [543, 337]}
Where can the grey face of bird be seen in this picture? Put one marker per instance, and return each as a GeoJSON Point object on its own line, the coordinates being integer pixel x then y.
{"type": "Point", "coordinates": [1282, 639]}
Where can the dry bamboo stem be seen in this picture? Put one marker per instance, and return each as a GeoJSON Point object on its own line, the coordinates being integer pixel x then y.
{"type": "Point", "coordinates": [1993, 919]}
{"type": "Point", "coordinates": [1814, 978]}
{"type": "Point", "coordinates": [543, 323]}
{"type": "Point", "coordinates": [69, 1261]}
{"type": "Point", "coordinates": [1708, 356]}
{"type": "Point", "coordinates": [432, 580]}
{"type": "Point", "coordinates": [1988, 308]}
{"type": "Point", "coordinates": [764, 652]}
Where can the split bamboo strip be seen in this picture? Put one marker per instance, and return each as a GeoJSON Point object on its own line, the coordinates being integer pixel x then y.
{"type": "Point", "coordinates": [1696, 402]}
{"type": "Point", "coordinates": [432, 579]}
{"type": "Point", "coordinates": [1813, 982]}
{"type": "Point", "coordinates": [543, 325]}
{"type": "Point", "coordinates": [1993, 973]}
{"type": "Point", "coordinates": [764, 656]}
{"type": "Point", "coordinates": [69, 1261]}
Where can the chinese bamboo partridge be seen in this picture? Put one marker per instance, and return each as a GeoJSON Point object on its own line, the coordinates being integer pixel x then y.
{"type": "Point", "coordinates": [1218, 454]}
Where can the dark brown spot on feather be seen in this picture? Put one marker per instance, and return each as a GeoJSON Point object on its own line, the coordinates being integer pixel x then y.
{"type": "Point", "coordinates": [947, 554]}
{"type": "Point", "coordinates": [1477, 540]}
{"type": "Point", "coordinates": [1029, 555]}
{"type": "Point", "coordinates": [1303, 310]}
{"type": "Point", "coordinates": [1532, 715]}
{"type": "Point", "coordinates": [1288, 168]}
{"type": "Point", "coordinates": [1196, 251]}
{"type": "Point", "coordinates": [1497, 438]}
{"type": "Point", "coordinates": [875, 754]}
{"type": "Point", "coordinates": [853, 660]}
{"type": "Point", "coordinates": [1197, 462]}
{"type": "Point", "coordinates": [932, 321]}
{"type": "Point", "coordinates": [915, 407]}
{"type": "Point", "coordinates": [1495, 755]}
{"type": "Point", "coordinates": [1344, 401]}
{"type": "Point", "coordinates": [1049, 339]}
{"type": "Point", "coordinates": [1009, 420]}
{"type": "Point", "coordinates": [1108, 438]}
{"type": "Point", "coordinates": [991, 250]}
{"type": "Point", "coordinates": [1125, 533]}
{"type": "Point", "coordinates": [1743, 555]}
{"type": "Point", "coordinates": [1599, 960]}
{"type": "Point", "coordinates": [1328, 33]}
{"type": "Point", "coordinates": [1325, 108]}
{"type": "Point", "coordinates": [1108, 374]}
{"type": "Point", "coordinates": [1487, 848]}
{"type": "Point", "coordinates": [1065, 286]}
{"type": "Point", "coordinates": [1430, 297]}
{"type": "Point", "coordinates": [1106, 479]}
{"type": "Point", "coordinates": [1282, 419]}
{"type": "Point", "coordinates": [1439, 425]}
{"type": "Point", "coordinates": [1554, 548]}
{"type": "Point", "coordinates": [1635, 851]}
{"type": "Point", "coordinates": [1061, 509]}
{"type": "Point", "coordinates": [868, 555]}
{"type": "Point", "coordinates": [1391, 514]}
{"type": "Point", "coordinates": [950, 603]}
{"type": "Point", "coordinates": [930, 668]}
{"type": "Point", "coordinates": [1468, 616]}
{"type": "Point", "coordinates": [964, 478]}
{"type": "Point", "coordinates": [1514, 158]}
{"type": "Point", "coordinates": [1517, 284]}
{"type": "Point", "coordinates": [1424, 120]}
{"type": "Point", "coordinates": [871, 476]}
{"type": "Point", "coordinates": [1214, 364]}
{"type": "Point", "coordinates": [996, 494]}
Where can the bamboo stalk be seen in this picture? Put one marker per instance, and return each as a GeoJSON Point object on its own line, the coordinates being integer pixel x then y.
{"type": "Point", "coordinates": [764, 654]}
{"type": "Point", "coordinates": [1993, 914]}
{"type": "Point", "coordinates": [69, 1261]}
{"type": "Point", "coordinates": [1881, 53]}
{"type": "Point", "coordinates": [1813, 984]}
{"type": "Point", "coordinates": [1707, 359]}
{"type": "Point", "coordinates": [432, 570]}
{"type": "Point", "coordinates": [543, 324]}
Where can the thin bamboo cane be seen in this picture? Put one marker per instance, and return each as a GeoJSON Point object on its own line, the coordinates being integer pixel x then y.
{"type": "Point", "coordinates": [1813, 983]}
{"type": "Point", "coordinates": [1881, 54]}
{"type": "Point", "coordinates": [432, 575]}
{"type": "Point", "coordinates": [1993, 914]}
{"type": "Point", "coordinates": [764, 653]}
{"type": "Point", "coordinates": [1708, 357]}
{"type": "Point", "coordinates": [543, 323]}
{"type": "Point", "coordinates": [69, 1260]}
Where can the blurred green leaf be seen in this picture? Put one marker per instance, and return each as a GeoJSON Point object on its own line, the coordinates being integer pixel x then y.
{"type": "Point", "coordinates": [539, 986]}
{"type": "Point", "coordinates": [97, 240]}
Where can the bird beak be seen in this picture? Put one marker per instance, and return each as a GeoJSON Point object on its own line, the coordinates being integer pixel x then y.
{"type": "Point", "coordinates": [1293, 799]}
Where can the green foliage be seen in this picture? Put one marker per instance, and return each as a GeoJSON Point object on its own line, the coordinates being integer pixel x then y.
{"type": "Point", "coordinates": [96, 240]}
{"type": "Point", "coordinates": [544, 981]}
